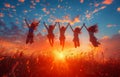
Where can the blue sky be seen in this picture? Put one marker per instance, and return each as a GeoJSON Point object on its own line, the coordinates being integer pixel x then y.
{"type": "Point", "coordinates": [106, 13]}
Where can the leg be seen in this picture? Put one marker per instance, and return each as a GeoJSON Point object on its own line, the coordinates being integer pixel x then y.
{"type": "Point", "coordinates": [78, 43]}
{"type": "Point", "coordinates": [75, 44]}
{"type": "Point", "coordinates": [60, 42]}
{"type": "Point", "coordinates": [50, 41]}
{"type": "Point", "coordinates": [31, 40]}
{"type": "Point", "coordinates": [63, 44]}
{"type": "Point", "coordinates": [27, 40]}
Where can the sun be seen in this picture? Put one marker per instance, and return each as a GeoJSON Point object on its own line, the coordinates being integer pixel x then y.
{"type": "Point", "coordinates": [59, 55]}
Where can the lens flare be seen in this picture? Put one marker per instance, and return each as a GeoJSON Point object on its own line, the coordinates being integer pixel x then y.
{"type": "Point", "coordinates": [59, 55]}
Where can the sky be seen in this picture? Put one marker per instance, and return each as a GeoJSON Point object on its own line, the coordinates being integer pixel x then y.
{"type": "Point", "coordinates": [106, 13]}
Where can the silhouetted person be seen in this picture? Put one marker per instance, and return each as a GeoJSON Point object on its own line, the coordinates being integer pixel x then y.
{"type": "Point", "coordinates": [76, 32]}
{"type": "Point", "coordinates": [50, 33]}
{"type": "Point", "coordinates": [91, 30]}
{"type": "Point", "coordinates": [62, 30]}
{"type": "Point", "coordinates": [30, 34]}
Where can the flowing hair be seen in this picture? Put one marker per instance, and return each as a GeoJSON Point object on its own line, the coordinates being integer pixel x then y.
{"type": "Point", "coordinates": [77, 29]}
{"type": "Point", "coordinates": [51, 27]}
{"type": "Point", "coordinates": [93, 28]}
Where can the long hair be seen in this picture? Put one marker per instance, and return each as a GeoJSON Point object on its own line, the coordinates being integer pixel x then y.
{"type": "Point", "coordinates": [51, 27]}
{"type": "Point", "coordinates": [93, 28]}
{"type": "Point", "coordinates": [77, 29]}
{"type": "Point", "coordinates": [34, 24]}
{"type": "Point", "coordinates": [62, 28]}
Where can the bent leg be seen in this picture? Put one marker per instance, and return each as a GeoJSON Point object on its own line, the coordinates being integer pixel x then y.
{"type": "Point", "coordinates": [27, 40]}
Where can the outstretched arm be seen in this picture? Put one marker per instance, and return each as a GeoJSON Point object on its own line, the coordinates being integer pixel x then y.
{"type": "Point", "coordinates": [38, 21]}
{"type": "Point", "coordinates": [27, 23]}
{"type": "Point", "coordinates": [67, 26]}
{"type": "Point", "coordinates": [81, 27]}
{"type": "Point", "coordinates": [59, 25]}
{"type": "Point", "coordinates": [85, 26]}
{"type": "Point", "coordinates": [45, 25]}
{"type": "Point", "coordinates": [71, 28]}
{"type": "Point", "coordinates": [55, 24]}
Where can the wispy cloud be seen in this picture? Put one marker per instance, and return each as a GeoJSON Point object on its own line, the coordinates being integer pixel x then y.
{"type": "Point", "coordinates": [119, 31]}
{"type": "Point", "coordinates": [96, 4]}
{"type": "Point", "coordinates": [1, 15]}
{"type": "Point", "coordinates": [81, 1]}
{"type": "Point", "coordinates": [111, 45]}
{"type": "Point", "coordinates": [37, 0]}
{"type": "Point", "coordinates": [105, 37]}
{"type": "Point", "coordinates": [118, 9]}
{"type": "Point", "coordinates": [107, 2]}
{"type": "Point", "coordinates": [7, 5]}
{"type": "Point", "coordinates": [111, 25]}
{"type": "Point", "coordinates": [45, 10]}
{"type": "Point", "coordinates": [90, 14]}
{"type": "Point", "coordinates": [21, 0]}
{"type": "Point", "coordinates": [68, 20]}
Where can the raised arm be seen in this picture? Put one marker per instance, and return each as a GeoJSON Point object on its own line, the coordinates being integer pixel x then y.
{"type": "Point", "coordinates": [81, 27]}
{"type": "Point", "coordinates": [85, 26]}
{"type": "Point", "coordinates": [27, 23]}
{"type": "Point", "coordinates": [55, 24]}
{"type": "Point", "coordinates": [67, 26]}
{"type": "Point", "coordinates": [45, 25]}
{"type": "Point", "coordinates": [71, 28]}
{"type": "Point", "coordinates": [59, 25]}
{"type": "Point", "coordinates": [38, 21]}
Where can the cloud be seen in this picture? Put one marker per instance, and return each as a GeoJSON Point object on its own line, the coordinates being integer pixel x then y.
{"type": "Point", "coordinates": [96, 4]}
{"type": "Point", "coordinates": [111, 25]}
{"type": "Point", "coordinates": [98, 9]}
{"type": "Point", "coordinates": [111, 45]}
{"type": "Point", "coordinates": [1, 15]}
{"type": "Point", "coordinates": [25, 11]}
{"type": "Point", "coordinates": [118, 9]}
{"type": "Point", "coordinates": [37, 0]}
{"type": "Point", "coordinates": [12, 33]}
{"type": "Point", "coordinates": [119, 31]}
{"type": "Point", "coordinates": [7, 5]}
{"type": "Point", "coordinates": [2, 23]}
{"type": "Point", "coordinates": [21, 1]}
{"type": "Point", "coordinates": [66, 19]}
{"type": "Point", "coordinates": [105, 37]}
{"type": "Point", "coordinates": [89, 15]}
{"type": "Point", "coordinates": [81, 1]}
{"type": "Point", "coordinates": [107, 2]}
{"type": "Point", "coordinates": [45, 10]}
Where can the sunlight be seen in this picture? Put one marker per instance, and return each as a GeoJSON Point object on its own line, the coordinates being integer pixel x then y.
{"type": "Point", "coordinates": [59, 55]}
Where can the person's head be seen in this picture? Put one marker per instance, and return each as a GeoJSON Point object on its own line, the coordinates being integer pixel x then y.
{"type": "Point", "coordinates": [35, 23]}
{"type": "Point", "coordinates": [62, 28]}
{"type": "Point", "coordinates": [93, 28]}
{"type": "Point", "coordinates": [51, 27]}
{"type": "Point", "coordinates": [77, 29]}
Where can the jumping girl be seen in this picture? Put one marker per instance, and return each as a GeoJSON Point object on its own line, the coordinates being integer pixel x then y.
{"type": "Point", "coordinates": [62, 30]}
{"type": "Point", "coordinates": [30, 34]}
{"type": "Point", "coordinates": [50, 33]}
{"type": "Point", "coordinates": [91, 30]}
{"type": "Point", "coordinates": [76, 32]}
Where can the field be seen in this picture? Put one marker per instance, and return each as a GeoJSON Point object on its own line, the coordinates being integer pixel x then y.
{"type": "Point", "coordinates": [20, 65]}
{"type": "Point", "coordinates": [18, 60]}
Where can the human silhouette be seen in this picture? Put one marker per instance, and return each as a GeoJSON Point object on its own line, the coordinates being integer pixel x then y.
{"type": "Point", "coordinates": [50, 32]}
{"type": "Point", "coordinates": [62, 30]}
{"type": "Point", "coordinates": [76, 32]}
{"type": "Point", "coordinates": [91, 30]}
{"type": "Point", "coordinates": [30, 34]}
